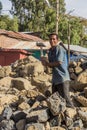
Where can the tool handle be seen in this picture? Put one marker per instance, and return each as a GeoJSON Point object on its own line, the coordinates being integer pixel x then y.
{"type": "Point", "coordinates": [41, 50]}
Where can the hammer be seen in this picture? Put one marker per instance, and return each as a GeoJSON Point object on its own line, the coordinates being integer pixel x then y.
{"type": "Point", "coordinates": [41, 45]}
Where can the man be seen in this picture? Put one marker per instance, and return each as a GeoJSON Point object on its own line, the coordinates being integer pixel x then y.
{"type": "Point", "coordinates": [60, 74]}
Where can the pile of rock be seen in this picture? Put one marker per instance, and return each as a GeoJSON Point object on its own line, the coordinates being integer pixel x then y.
{"type": "Point", "coordinates": [26, 102]}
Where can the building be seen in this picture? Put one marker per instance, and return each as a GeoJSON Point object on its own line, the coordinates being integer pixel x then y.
{"type": "Point", "coordinates": [15, 42]}
{"type": "Point", "coordinates": [12, 46]}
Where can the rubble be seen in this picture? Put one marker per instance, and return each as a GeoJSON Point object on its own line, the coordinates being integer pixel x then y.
{"type": "Point", "coordinates": [27, 102]}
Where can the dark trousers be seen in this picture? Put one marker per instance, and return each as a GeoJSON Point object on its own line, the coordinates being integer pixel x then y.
{"type": "Point", "coordinates": [63, 90]}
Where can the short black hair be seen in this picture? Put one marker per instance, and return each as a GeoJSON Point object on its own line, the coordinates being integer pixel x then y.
{"type": "Point", "coordinates": [54, 33]}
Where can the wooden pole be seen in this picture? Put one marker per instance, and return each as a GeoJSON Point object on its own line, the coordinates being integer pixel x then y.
{"type": "Point", "coordinates": [68, 41]}
{"type": "Point", "coordinates": [57, 15]}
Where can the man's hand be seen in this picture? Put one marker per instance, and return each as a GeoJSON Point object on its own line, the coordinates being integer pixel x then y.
{"type": "Point", "coordinates": [44, 61]}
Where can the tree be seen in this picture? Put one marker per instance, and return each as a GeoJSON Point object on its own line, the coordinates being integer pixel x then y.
{"type": "Point", "coordinates": [8, 24]}
{"type": "Point", "coordinates": [0, 8]}
{"type": "Point", "coordinates": [36, 15]}
{"type": "Point", "coordinates": [40, 16]}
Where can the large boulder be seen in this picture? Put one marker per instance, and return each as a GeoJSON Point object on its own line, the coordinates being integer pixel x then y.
{"type": "Point", "coordinates": [21, 83]}
{"type": "Point", "coordinates": [5, 84]}
{"type": "Point", "coordinates": [43, 82]}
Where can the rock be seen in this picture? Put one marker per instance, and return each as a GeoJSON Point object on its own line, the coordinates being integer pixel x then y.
{"type": "Point", "coordinates": [85, 91]}
{"type": "Point", "coordinates": [8, 70]}
{"type": "Point", "coordinates": [69, 121]}
{"type": "Point", "coordinates": [73, 76]}
{"type": "Point", "coordinates": [84, 65]}
{"type": "Point", "coordinates": [57, 128]}
{"type": "Point", "coordinates": [77, 86]}
{"type": "Point", "coordinates": [20, 125]}
{"type": "Point", "coordinates": [56, 104]}
{"type": "Point", "coordinates": [5, 71]}
{"type": "Point", "coordinates": [71, 70]}
{"type": "Point", "coordinates": [7, 99]}
{"type": "Point", "coordinates": [78, 70]}
{"type": "Point", "coordinates": [32, 93]}
{"type": "Point", "coordinates": [18, 115]}
{"type": "Point", "coordinates": [38, 116]}
{"type": "Point", "coordinates": [2, 72]}
{"type": "Point", "coordinates": [7, 125]}
{"type": "Point", "coordinates": [72, 64]}
{"type": "Point", "coordinates": [35, 126]}
{"type": "Point", "coordinates": [47, 126]}
{"type": "Point", "coordinates": [82, 100]}
{"type": "Point", "coordinates": [7, 113]}
{"type": "Point", "coordinates": [5, 83]}
{"type": "Point", "coordinates": [77, 125]}
{"type": "Point", "coordinates": [24, 106]}
{"type": "Point", "coordinates": [35, 105]}
{"type": "Point", "coordinates": [43, 82]}
{"type": "Point", "coordinates": [84, 109]}
{"type": "Point", "coordinates": [71, 113]}
{"type": "Point", "coordinates": [27, 102]}
{"type": "Point", "coordinates": [82, 78]}
{"type": "Point", "coordinates": [1, 109]}
{"type": "Point", "coordinates": [34, 69]}
{"type": "Point", "coordinates": [44, 104]}
{"type": "Point", "coordinates": [30, 59]}
{"type": "Point", "coordinates": [21, 83]}
{"type": "Point", "coordinates": [56, 120]}
{"type": "Point", "coordinates": [83, 115]}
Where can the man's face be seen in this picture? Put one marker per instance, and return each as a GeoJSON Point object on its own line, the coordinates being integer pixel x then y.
{"type": "Point", "coordinates": [53, 40]}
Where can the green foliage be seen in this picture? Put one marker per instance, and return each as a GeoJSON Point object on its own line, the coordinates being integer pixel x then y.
{"type": "Point", "coordinates": [8, 24]}
{"type": "Point", "coordinates": [3, 25]}
{"type": "Point", "coordinates": [13, 24]}
{"type": "Point", "coordinates": [63, 29]}
{"type": "Point", "coordinates": [38, 16]}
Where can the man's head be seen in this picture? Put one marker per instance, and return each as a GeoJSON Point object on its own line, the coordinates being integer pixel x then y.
{"type": "Point", "coordinates": [53, 39]}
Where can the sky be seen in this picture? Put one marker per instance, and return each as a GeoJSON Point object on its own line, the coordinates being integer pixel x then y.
{"type": "Point", "coordinates": [77, 7]}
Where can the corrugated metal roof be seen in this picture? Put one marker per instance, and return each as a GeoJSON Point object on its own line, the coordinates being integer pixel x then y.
{"type": "Point", "coordinates": [77, 48]}
{"type": "Point", "coordinates": [20, 35]}
{"type": "Point", "coordinates": [29, 45]}
{"type": "Point", "coordinates": [9, 39]}
{"type": "Point", "coordinates": [15, 40]}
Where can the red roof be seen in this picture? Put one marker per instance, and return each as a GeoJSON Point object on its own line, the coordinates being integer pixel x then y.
{"type": "Point", "coordinates": [15, 50]}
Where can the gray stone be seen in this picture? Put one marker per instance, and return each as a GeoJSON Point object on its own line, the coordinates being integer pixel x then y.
{"type": "Point", "coordinates": [21, 83]}
{"type": "Point", "coordinates": [35, 126]}
{"type": "Point", "coordinates": [38, 116]}
{"type": "Point", "coordinates": [83, 115]}
{"type": "Point", "coordinates": [7, 125]}
{"type": "Point", "coordinates": [56, 120]}
{"type": "Point", "coordinates": [84, 65]}
{"type": "Point", "coordinates": [56, 104]}
{"type": "Point", "coordinates": [20, 125]}
{"type": "Point", "coordinates": [18, 115]}
{"type": "Point", "coordinates": [77, 124]}
{"type": "Point", "coordinates": [7, 113]}
{"type": "Point", "coordinates": [69, 121]}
